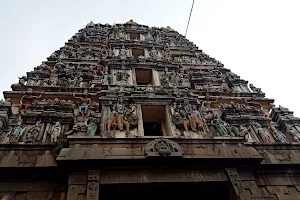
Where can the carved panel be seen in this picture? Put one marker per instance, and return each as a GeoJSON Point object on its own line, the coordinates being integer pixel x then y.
{"type": "Point", "coordinates": [144, 177]}
{"type": "Point", "coordinates": [163, 147]}
{"type": "Point", "coordinates": [235, 180]}
{"type": "Point", "coordinates": [93, 185]}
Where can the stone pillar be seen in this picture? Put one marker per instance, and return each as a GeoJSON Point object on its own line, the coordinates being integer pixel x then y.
{"type": "Point", "coordinates": [155, 77]}
{"type": "Point", "coordinates": [140, 120]}
{"type": "Point", "coordinates": [236, 183]}
{"type": "Point", "coordinates": [133, 77]}
{"type": "Point", "coordinates": [93, 185]}
{"type": "Point", "coordinates": [77, 186]}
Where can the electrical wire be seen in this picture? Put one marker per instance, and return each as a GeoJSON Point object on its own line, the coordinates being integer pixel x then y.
{"type": "Point", "coordinates": [189, 19]}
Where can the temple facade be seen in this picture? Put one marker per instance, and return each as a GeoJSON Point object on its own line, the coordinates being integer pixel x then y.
{"type": "Point", "coordinates": [130, 111]}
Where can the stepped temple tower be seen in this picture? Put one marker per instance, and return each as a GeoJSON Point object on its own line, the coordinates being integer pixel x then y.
{"type": "Point", "coordinates": [127, 111]}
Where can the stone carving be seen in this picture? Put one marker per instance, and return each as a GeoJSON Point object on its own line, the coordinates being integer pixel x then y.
{"type": "Point", "coordinates": [91, 123]}
{"type": "Point", "coordinates": [122, 76]}
{"type": "Point", "coordinates": [55, 132]}
{"type": "Point", "coordinates": [22, 80]}
{"type": "Point", "coordinates": [183, 80]}
{"type": "Point", "coordinates": [256, 90]}
{"type": "Point", "coordinates": [223, 128]}
{"type": "Point", "coordinates": [255, 104]}
{"type": "Point", "coordinates": [27, 100]}
{"type": "Point", "coordinates": [123, 53]}
{"type": "Point", "coordinates": [17, 132]}
{"type": "Point", "coordinates": [262, 132]}
{"type": "Point", "coordinates": [187, 117]}
{"type": "Point", "coordinates": [122, 116]}
{"type": "Point", "coordinates": [84, 102]}
{"type": "Point", "coordinates": [93, 185]}
{"type": "Point", "coordinates": [93, 176]}
{"type": "Point", "coordinates": [235, 180]}
{"type": "Point", "coordinates": [293, 133]}
{"type": "Point", "coordinates": [168, 79]}
{"type": "Point", "coordinates": [163, 147]}
{"type": "Point", "coordinates": [33, 133]}
{"type": "Point", "coordinates": [154, 53]}
{"type": "Point", "coordinates": [279, 136]}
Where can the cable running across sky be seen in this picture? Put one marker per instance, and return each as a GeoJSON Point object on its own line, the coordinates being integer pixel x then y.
{"type": "Point", "coordinates": [189, 19]}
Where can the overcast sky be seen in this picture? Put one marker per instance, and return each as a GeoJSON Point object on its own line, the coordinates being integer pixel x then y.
{"type": "Point", "coordinates": [257, 39]}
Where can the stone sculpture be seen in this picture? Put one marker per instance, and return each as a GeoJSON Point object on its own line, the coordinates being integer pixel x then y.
{"type": "Point", "coordinates": [187, 117]}
{"type": "Point", "coordinates": [55, 132]}
{"type": "Point", "coordinates": [84, 102]}
{"type": "Point", "coordinates": [33, 133]}
{"type": "Point", "coordinates": [122, 116]}
{"type": "Point", "coordinates": [27, 100]}
{"type": "Point", "coordinates": [91, 123]}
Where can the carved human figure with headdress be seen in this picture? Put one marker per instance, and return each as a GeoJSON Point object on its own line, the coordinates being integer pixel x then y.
{"type": "Point", "coordinates": [27, 99]}
{"type": "Point", "coordinates": [17, 132]}
{"type": "Point", "coordinates": [85, 102]}
{"type": "Point", "coordinates": [223, 128]}
{"type": "Point", "coordinates": [153, 53]}
{"type": "Point", "coordinates": [122, 76]}
{"type": "Point", "coordinates": [262, 133]}
{"type": "Point", "coordinates": [122, 116]}
{"type": "Point", "coordinates": [123, 52]}
{"type": "Point", "coordinates": [293, 133]}
{"type": "Point", "coordinates": [33, 132]}
{"type": "Point", "coordinates": [187, 116]}
{"type": "Point", "coordinates": [55, 132]}
{"type": "Point", "coordinates": [279, 136]}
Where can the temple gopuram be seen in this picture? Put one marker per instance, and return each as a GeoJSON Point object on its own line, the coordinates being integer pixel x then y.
{"type": "Point", "coordinates": [128, 111]}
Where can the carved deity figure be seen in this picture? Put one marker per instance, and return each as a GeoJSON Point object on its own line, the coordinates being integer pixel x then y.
{"type": "Point", "coordinates": [33, 132]}
{"type": "Point", "coordinates": [123, 52]}
{"type": "Point", "coordinates": [122, 76]}
{"type": "Point", "coordinates": [279, 136]}
{"type": "Point", "coordinates": [91, 123]}
{"type": "Point", "coordinates": [223, 128]}
{"type": "Point", "coordinates": [154, 53]}
{"type": "Point", "coordinates": [243, 130]}
{"type": "Point", "coordinates": [148, 37]}
{"type": "Point", "coordinates": [262, 133]}
{"type": "Point", "coordinates": [27, 100]}
{"type": "Point", "coordinates": [105, 78]}
{"type": "Point", "coordinates": [256, 105]}
{"type": "Point", "coordinates": [55, 132]}
{"type": "Point", "coordinates": [168, 79]}
{"type": "Point", "coordinates": [187, 116]}
{"type": "Point", "coordinates": [85, 102]}
{"type": "Point", "coordinates": [17, 132]}
{"type": "Point", "coordinates": [122, 116]}
{"type": "Point", "coordinates": [183, 81]}
{"type": "Point", "coordinates": [22, 80]}
{"type": "Point", "coordinates": [209, 113]}
{"type": "Point", "coordinates": [293, 133]}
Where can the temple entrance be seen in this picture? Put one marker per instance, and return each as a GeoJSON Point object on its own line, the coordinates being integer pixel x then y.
{"type": "Point", "coordinates": [165, 191]}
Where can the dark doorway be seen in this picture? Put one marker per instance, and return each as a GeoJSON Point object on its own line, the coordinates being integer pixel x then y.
{"type": "Point", "coordinates": [152, 129]}
{"type": "Point", "coordinates": [134, 36]}
{"type": "Point", "coordinates": [164, 191]}
{"type": "Point", "coordinates": [143, 76]}
{"type": "Point", "coordinates": [138, 52]}
{"type": "Point", "coordinates": [154, 118]}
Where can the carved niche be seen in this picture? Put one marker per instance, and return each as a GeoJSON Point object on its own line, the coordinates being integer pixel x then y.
{"type": "Point", "coordinates": [163, 147]}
